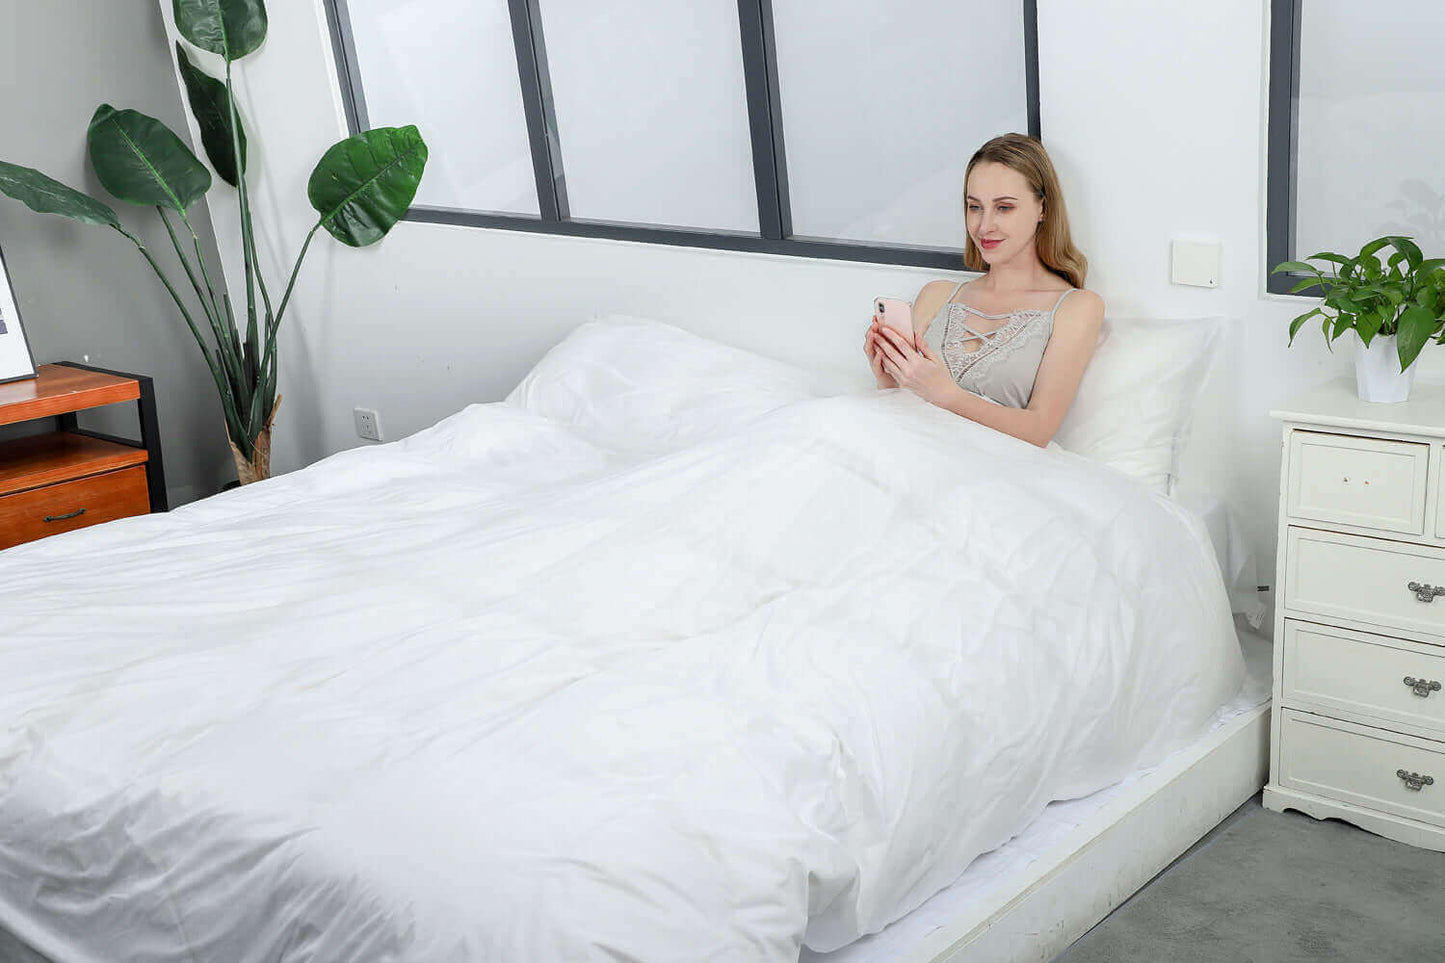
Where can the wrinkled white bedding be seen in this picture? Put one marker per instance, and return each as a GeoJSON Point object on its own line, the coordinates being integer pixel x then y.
{"type": "Point", "coordinates": [502, 692]}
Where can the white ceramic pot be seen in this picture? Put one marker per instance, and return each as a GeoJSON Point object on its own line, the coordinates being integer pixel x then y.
{"type": "Point", "coordinates": [1378, 377]}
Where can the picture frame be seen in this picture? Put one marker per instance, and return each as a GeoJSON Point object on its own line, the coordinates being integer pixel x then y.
{"type": "Point", "coordinates": [16, 361]}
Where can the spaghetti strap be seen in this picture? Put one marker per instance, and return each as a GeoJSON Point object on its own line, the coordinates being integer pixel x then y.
{"type": "Point", "coordinates": [954, 293]}
{"type": "Point", "coordinates": [1061, 299]}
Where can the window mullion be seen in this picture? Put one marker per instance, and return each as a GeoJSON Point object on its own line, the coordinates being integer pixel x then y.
{"type": "Point", "coordinates": [539, 108]}
{"type": "Point", "coordinates": [765, 118]}
{"type": "Point", "coordinates": [1031, 66]}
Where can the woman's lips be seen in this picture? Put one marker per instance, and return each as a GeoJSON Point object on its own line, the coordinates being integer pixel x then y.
{"type": "Point", "coordinates": [988, 245]}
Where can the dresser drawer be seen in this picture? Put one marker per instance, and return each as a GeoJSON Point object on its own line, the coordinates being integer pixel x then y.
{"type": "Point", "coordinates": [1339, 670]}
{"type": "Point", "coordinates": [1366, 482]}
{"type": "Point", "coordinates": [1364, 766]}
{"type": "Point", "coordinates": [26, 516]}
{"type": "Point", "coordinates": [1365, 580]}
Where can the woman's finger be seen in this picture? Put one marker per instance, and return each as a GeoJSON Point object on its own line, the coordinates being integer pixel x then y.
{"type": "Point", "coordinates": [888, 349]}
{"type": "Point", "coordinates": [899, 341]}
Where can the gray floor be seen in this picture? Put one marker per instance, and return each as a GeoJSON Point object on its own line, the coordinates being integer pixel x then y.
{"type": "Point", "coordinates": [1281, 888]}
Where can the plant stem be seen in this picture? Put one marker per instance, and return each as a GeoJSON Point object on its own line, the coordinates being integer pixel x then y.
{"type": "Point", "coordinates": [248, 251]}
{"type": "Point", "coordinates": [228, 402]}
{"type": "Point", "coordinates": [225, 356]}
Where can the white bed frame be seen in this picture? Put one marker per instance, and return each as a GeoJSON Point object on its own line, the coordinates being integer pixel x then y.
{"type": "Point", "coordinates": [1038, 913]}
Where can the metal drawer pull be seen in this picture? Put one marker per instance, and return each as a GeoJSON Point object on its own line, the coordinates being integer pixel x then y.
{"type": "Point", "coordinates": [1425, 592]}
{"type": "Point", "coordinates": [1422, 687]}
{"type": "Point", "coordinates": [1413, 780]}
{"type": "Point", "coordinates": [60, 518]}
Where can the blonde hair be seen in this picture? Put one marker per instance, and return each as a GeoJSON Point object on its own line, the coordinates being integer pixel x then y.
{"type": "Point", "coordinates": [1053, 243]}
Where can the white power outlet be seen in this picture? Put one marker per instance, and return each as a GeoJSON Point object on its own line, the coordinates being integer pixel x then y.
{"type": "Point", "coordinates": [368, 423]}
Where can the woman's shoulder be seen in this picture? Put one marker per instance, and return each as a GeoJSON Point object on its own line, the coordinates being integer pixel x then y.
{"type": "Point", "coordinates": [1082, 310]}
{"type": "Point", "coordinates": [1082, 303]}
{"type": "Point", "coordinates": [931, 297]}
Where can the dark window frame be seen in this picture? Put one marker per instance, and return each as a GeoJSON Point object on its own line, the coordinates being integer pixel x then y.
{"type": "Point", "coordinates": [765, 127]}
{"type": "Point", "coordinates": [1283, 147]}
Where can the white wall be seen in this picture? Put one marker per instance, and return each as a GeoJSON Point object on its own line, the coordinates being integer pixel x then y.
{"type": "Point", "coordinates": [1153, 112]}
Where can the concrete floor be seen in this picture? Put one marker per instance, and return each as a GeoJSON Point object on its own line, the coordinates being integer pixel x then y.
{"type": "Point", "coordinates": [1281, 888]}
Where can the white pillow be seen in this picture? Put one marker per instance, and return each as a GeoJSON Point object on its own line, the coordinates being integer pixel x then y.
{"type": "Point", "coordinates": [643, 386]}
{"type": "Point", "coordinates": [1137, 399]}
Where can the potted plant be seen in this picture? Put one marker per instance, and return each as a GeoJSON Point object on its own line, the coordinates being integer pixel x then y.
{"type": "Point", "coordinates": [360, 188]}
{"type": "Point", "coordinates": [1394, 308]}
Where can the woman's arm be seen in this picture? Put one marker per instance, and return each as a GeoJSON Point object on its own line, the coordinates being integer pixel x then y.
{"type": "Point", "coordinates": [1071, 345]}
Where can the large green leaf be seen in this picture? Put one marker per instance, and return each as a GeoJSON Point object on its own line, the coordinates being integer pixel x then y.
{"type": "Point", "coordinates": [140, 160]}
{"type": "Point", "coordinates": [231, 28]}
{"type": "Point", "coordinates": [1368, 251]}
{"type": "Point", "coordinates": [364, 184]}
{"type": "Point", "coordinates": [1416, 326]}
{"type": "Point", "coordinates": [1295, 266]}
{"type": "Point", "coordinates": [212, 107]}
{"type": "Point", "coordinates": [1298, 322]}
{"type": "Point", "coordinates": [1407, 247]}
{"type": "Point", "coordinates": [46, 195]}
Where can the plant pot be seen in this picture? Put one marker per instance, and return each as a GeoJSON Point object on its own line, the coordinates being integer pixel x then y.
{"type": "Point", "coordinates": [1378, 377]}
{"type": "Point", "coordinates": [258, 466]}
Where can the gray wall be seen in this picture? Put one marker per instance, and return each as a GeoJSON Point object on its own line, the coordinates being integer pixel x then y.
{"type": "Point", "coordinates": [82, 290]}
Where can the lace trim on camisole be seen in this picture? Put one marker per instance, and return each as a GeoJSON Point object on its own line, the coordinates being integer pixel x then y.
{"type": "Point", "coordinates": [987, 370]}
{"type": "Point", "coordinates": [996, 345]}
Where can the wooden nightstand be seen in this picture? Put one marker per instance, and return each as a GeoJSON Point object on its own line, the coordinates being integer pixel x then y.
{"type": "Point", "coordinates": [1358, 724]}
{"type": "Point", "coordinates": [69, 478]}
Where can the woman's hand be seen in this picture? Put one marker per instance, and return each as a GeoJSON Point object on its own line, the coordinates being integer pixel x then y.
{"type": "Point", "coordinates": [919, 370]}
{"type": "Point", "coordinates": [874, 351]}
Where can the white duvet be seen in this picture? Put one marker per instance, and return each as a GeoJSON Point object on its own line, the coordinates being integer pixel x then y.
{"type": "Point", "coordinates": [694, 666]}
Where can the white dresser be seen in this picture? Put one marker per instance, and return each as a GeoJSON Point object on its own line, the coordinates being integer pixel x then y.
{"type": "Point", "coordinates": [1358, 726]}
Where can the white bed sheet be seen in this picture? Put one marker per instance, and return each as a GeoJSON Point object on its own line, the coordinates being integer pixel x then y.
{"type": "Point", "coordinates": [1006, 864]}
{"type": "Point", "coordinates": [499, 691]}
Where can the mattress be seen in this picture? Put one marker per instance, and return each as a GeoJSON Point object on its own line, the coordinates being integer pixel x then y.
{"type": "Point", "coordinates": [1001, 870]}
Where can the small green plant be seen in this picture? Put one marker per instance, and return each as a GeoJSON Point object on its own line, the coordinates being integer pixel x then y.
{"type": "Point", "coordinates": [1404, 296]}
{"type": "Point", "coordinates": [360, 188]}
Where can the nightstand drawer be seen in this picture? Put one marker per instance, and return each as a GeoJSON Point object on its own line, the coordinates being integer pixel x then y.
{"type": "Point", "coordinates": [1339, 670]}
{"type": "Point", "coordinates": [1366, 580]}
{"type": "Point", "coordinates": [1380, 770]}
{"type": "Point", "coordinates": [1367, 482]}
{"type": "Point", "coordinates": [33, 514]}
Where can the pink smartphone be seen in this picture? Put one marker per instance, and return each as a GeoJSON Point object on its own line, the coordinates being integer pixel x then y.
{"type": "Point", "coordinates": [897, 314]}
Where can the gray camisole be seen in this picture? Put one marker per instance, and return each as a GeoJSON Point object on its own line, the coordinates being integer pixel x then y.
{"type": "Point", "coordinates": [1003, 366]}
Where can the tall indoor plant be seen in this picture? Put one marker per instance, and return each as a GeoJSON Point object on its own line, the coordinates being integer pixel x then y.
{"type": "Point", "coordinates": [360, 188]}
{"type": "Point", "coordinates": [1395, 308]}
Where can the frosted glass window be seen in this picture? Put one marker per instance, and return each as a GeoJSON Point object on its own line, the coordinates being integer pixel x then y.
{"type": "Point", "coordinates": [449, 67]}
{"type": "Point", "coordinates": [652, 111]}
{"type": "Point", "coordinates": [883, 103]}
{"type": "Point", "coordinates": [1371, 144]}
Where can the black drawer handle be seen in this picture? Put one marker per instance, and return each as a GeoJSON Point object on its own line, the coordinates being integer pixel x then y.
{"type": "Point", "coordinates": [60, 518]}
{"type": "Point", "coordinates": [1422, 687]}
{"type": "Point", "coordinates": [1424, 592]}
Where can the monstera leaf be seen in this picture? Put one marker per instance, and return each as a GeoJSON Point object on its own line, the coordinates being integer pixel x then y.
{"type": "Point", "coordinates": [364, 184]}
{"type": "Point", "coordinates": [140, 160]}
{"type": "Point", "coordinates": [212, 107]}
{"type": "Point", "coordinates": [46, 195]}
{"type": "Point", "coordinates": [231, 28]}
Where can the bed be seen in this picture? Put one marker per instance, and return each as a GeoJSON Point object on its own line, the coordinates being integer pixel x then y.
{"type": "Point", "coordinates": [716, 663]}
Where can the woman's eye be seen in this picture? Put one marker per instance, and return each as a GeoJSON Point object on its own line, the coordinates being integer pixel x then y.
{"type": "Point", "coordinates": [1005, 209]}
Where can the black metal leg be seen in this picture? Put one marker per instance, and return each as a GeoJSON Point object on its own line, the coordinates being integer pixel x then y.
{"type": "Point", "coordinates": [150, 439]}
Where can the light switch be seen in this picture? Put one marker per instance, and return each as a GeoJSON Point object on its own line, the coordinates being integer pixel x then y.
{"type": "Point", "coordinates": [1196, 263]}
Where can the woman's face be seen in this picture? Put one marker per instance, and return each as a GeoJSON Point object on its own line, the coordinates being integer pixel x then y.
{"type": "Point", "coordinates": [1003, 213]}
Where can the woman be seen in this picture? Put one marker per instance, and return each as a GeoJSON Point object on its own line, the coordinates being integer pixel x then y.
{"type": "Point", "coordinates": [1006, 350]}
